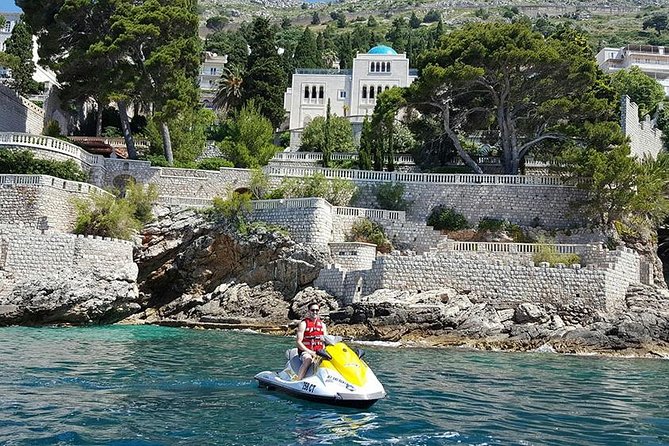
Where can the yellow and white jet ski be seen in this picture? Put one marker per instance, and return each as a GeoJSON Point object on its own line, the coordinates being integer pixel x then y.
{"type": "Point", "coordinates": [338, 377]}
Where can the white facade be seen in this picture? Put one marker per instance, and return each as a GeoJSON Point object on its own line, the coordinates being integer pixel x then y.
{"type": "Point", "coordinates": [652, 60]}
{"type": "Point", "coordinates": [351, 93]}
{"type": "Point", "coordinates": [11, 19]}
{"type": "Point", "coordinates": [210, 73]}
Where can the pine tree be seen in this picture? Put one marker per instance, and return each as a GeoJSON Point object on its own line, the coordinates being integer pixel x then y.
{"type": "Point", "coordinates": [414, 21]}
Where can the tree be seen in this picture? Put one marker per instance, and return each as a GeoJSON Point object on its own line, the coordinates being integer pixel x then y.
{"type": "Point", "coordinates": [264, 82]}
{"type": "Point", "coordinates": [230, 89]}
{"type": "Point", "coordinates": [519, 87]}
{"type": "Point", "coordinates": [659, 22]}
{"type": "Point", "coordinates": [645, 91]}
{"type": "Point", "coordinates": [315, 19]}
{"type": "Point", "coordinates": [20, 45]}
{"type": "Point", "coordinates": [414, 21]}
{"type": "Point", "coordinates": [217, 23]}
{"type": "Point", "coordinates": [306, 51]}
{"type": "Point", "coordinates": [160, 39]}
{"type": "Point", "coordinates": [384, 118]}
{"type": "Point", "coordinates": [321, 135]}
{"type": "Point", "coordinates": [366, 146]}
{"type": "Point", "coordinates": [249, 143]}
{"type": "Point", "coordinates": [621, 188]}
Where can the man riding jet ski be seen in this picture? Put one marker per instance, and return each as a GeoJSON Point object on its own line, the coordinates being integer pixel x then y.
{"type": "Point", "coordinates": [326, 370]}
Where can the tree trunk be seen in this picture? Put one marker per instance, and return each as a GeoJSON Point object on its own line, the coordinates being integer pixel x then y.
{"type": "Point", "coordinates": [167, 143]}
{"type": "Point", "coordinates": [127, 132]}
{"type": "Point", "coordinates": [98, 120]}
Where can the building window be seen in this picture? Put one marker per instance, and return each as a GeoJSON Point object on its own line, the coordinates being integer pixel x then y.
{"type": "Point", "coordinates": [385, 88]}
{"type": "Point", "coordinates": [364, 91]}
{"type": "Point", "coordinates": [371, 67]}
{"type": "Point", "coordinates": [313, 92]}
{"type": "Point", "coordinates": [378, 67]}
{"type": "Point", "coordinates": [212, 71]}
{"type": "Point", "coordinates": [321, 92]}
{"type": "Point", "coordinates": [342, 94]}
{"type": "Point", "coordinates": [383, 67]}
{"type": "Point", "coordinates": [306, 92]}
{"type": "Point", "coordinates": [371, 92]}
{"type": "Point", "coordinates": [387, 67]}
{"type": "Point", "coordinates": [378, 90]}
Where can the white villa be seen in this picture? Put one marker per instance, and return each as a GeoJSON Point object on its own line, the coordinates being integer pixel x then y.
{"type": "Point", "coordinates": [210, 73]}
{"type": "Point", "coordinates": [351, 93]}
{"type": "Point", "coordinates": [652, 60]}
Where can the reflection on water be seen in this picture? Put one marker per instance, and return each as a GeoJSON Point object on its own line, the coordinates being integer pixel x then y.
{"type": "Point", "coordinates": [162, 386]}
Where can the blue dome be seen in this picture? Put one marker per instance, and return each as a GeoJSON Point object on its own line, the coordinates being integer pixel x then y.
{"type": "Point", "coordinates": [382, 49]}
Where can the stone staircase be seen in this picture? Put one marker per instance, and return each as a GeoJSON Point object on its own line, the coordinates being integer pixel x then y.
{"type": "Point", "coordinates": [415, 236]}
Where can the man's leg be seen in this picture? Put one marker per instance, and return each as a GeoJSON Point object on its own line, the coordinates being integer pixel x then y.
{"type": "Point", "coordinates": [306, 362]}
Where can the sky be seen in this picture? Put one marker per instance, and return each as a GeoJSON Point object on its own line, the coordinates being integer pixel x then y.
{"type": "Point", "coordinates": [8, 6]}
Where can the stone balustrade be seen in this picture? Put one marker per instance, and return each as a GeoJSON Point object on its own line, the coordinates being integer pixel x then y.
{"type": "Point", "coordinates": [9, 139]}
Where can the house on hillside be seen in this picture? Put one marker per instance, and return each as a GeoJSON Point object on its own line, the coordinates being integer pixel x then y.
{"type": "Point", "coordinates": [652, 60]}
{"type": "Point", "coordinates": [352, 93]}
{"type": "Point", "coordinates": [210, 74]}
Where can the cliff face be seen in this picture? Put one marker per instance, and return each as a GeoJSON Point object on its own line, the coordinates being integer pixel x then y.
{"type": "Point", "coordinates": [191, 268]}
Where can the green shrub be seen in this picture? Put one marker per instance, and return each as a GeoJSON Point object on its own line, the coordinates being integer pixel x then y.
{"type": "Point", "coordinates": [259, 184]}
{"type": "Point", "coordinates": [236, 209]}
{"type": "Point", "coordinates": [390, 196]}
{"type": "Point", "coordinates": [492, 224]}
{"type": "Point", "coordinates": [549, 253]}
{"type": "Point", "coordinates": [118, 217]}
{"type": "Point", "coordinates": [338, 192]}
{"type": "Point", "coordinates": [368, 231]}
{"type": "Point", "coordinates": [106, 216]}
{"type": "Point", "coordinates": [52, 128]}
{"type": "Point", "coordinates": [214, 164]}
{"type": "Point", "coordinates": [141, 199]}
{"type": "Point", "coordinates": [500, 225]}
{"type": "Point", "coordinates": [444, 218]}
{"type": "Point", "coordinates": [24, 163]}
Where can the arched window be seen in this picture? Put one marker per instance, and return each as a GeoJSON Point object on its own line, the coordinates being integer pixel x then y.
{"type": "Point", "coordinates": [364, 91]}
{"type": "Point", "coordinates": [371, 67]}
{"type": "Point", "coordinates": [388, 67]}
{"type": "Point", "coordinates": [321, 92]}
{"type": "Point", "coordinates": [378, 67]}
{"type": "Point", "coordinates": [371, 92]}
{"type": "Point", "coordinates": [313, 92]}
{"type": "Point", "coordinates": [378, 90]}
{"type": "Point", "coordinates": [383, 67]}
{"type": "Point", "coordinates": [306, 92]}
{"type": "Point", "coordinates": [385, 88]}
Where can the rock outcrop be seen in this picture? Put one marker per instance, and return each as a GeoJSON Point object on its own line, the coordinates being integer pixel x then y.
{"type": "Point", "coordinates": [193, 269]}
{"type": "Point", "coordinates": [75, 298]}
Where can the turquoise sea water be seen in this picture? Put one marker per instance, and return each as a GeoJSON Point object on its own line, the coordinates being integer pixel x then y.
{"type": "Point", "coordinates": [124, 385]}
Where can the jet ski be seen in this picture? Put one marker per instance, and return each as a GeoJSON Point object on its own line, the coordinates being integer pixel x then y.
{"type": "Point", "coordinates": [339, 376]}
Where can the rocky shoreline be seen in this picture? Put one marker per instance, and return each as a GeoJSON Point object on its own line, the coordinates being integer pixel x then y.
{"type": "Point", "coordinates": [199, 273]}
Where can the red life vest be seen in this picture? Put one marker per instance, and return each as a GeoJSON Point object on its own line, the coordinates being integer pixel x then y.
{"type": "Point", "coordinates": [312, 334]}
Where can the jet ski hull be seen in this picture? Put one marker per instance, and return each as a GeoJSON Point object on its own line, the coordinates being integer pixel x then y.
{"type": "Point", "coordinates": [358, 401]}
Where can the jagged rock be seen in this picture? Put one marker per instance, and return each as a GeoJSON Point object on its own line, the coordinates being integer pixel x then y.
{"type": "Point", "coordinates": [301, 301]}
{"type": "Point", "coordinates": [70, 299]}
{"type": "Point", "coordinates": [529, 313]}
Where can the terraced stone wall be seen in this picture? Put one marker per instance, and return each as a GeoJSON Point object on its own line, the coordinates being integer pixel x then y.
{"type": "Point", "coordinates": [30, 253]}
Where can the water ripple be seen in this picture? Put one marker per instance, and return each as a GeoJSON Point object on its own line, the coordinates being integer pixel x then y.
{"type": "Point", "coordinates": [150, 386]}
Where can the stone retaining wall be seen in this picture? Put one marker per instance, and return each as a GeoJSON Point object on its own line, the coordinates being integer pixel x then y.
{"type": "Point", "coordinates": [505, 282]}
{"type": "Point", "coordinates": [30, 253]}
{"type": "Point", "coordinates": [41, 201]}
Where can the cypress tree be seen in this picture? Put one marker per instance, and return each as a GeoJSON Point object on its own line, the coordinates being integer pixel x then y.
{"type": "Point", "coordinates": [307, 54]}
{"type": "Point", "coordinates": [20, 45]}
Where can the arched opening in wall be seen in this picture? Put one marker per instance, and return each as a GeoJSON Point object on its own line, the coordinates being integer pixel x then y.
{"type": "Point", "coordinates": [242, 190]}
{"type": "Point", "coordinates": [120, 183]}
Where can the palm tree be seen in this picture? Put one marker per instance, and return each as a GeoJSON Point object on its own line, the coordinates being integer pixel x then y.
{"type": "Point", "coordinates": [229, 94]}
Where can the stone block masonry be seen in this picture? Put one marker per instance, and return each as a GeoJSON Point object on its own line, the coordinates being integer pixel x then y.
{"type": "Point", "coordinates": [28, 253]}
{"type": "Point", "coordinates": [599, 287]}
{"type": "Point", "coordinates": [41, 201]}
